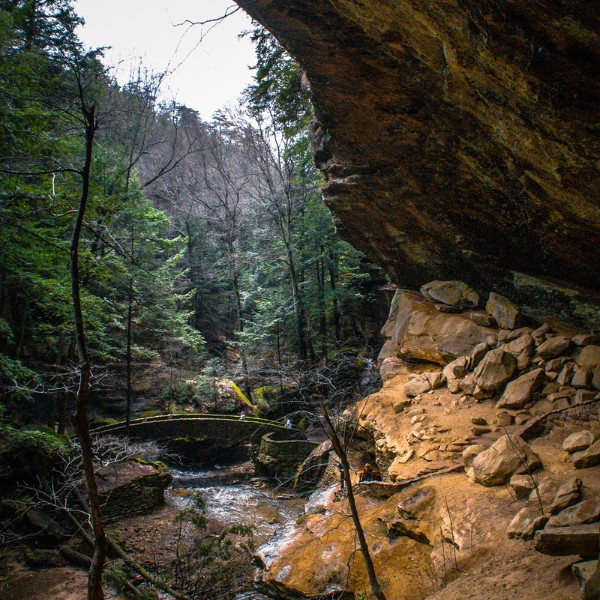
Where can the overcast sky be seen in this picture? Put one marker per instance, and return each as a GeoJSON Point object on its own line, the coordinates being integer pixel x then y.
{"type": "Point", "coordinates": [212, 64]}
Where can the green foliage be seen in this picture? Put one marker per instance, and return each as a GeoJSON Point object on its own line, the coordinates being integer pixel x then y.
{"type": "Point", "coordinates": [193, 516]}
{"type": "Point", "coordinates": [16, 382]}
{"type": "Point", "coordinates": [278, 86]}
{"type": "Point", "coordinates": [27, 456]}
{"type": "Point", "coordinates": [117, 578]}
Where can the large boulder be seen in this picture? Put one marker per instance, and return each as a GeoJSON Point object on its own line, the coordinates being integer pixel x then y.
{"type": "Point", "coordinates": [589, 356]}
{"type": "Point", "coordinates": [421, 332]}
{"type": "Point", "coordinates": [590, 457]}
{"type": "Point", "coordinates": [568, 493]}
{"type": "Point", "coordinates": [582, 377]}
{"type": "Point", "coordinates": [553, 347]}
{"type": "Point", "coordinates": [452, 293]}
{"type": "Point", "coordinates": [578, 441]}
{"type": "Point", "coordinates": [423, 383]}
{"type": "Point", "coordinates": [521, 348]}
{"type": "Point", "coordinates": [310, 473]}
{"type": "Point", "coordinates": [493, 372]}
{"type": "Point", "coordinates": [507, 456]}
{"type": "Point", "coordinates": [587, 511]}
{"type": "Point", "coordinates": [582, 540]}
{"type": "Point", "coordinates": [526, 522]}
{"type": "Point", "coordinates": [520, 391]}
{"type": "Point", "coordinates": [506, 314]}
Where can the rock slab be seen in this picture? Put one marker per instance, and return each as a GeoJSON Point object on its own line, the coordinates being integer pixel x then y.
{"type": "Point", "coordinates": [507, 456]}
{"type": "Point", "coordinates": [582, 540]}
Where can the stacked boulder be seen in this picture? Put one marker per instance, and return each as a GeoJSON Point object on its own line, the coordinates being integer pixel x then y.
{"type": "Point", "coordinates": [488, 354]}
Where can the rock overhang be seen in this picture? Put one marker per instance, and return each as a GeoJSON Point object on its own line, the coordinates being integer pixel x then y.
{"type": "Point", "coordinates": [457, 138]}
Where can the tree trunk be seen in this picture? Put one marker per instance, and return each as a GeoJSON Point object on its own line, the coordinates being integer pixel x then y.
{"type": "Point", "coordinates": [238, 308]}
{"type": "Point", "coordinates": [364, 548]}
{"type": "Point", "coordinates": [333, 282]}
{"type": "Point", "coordinates": [80, 418]}
{"type": "Point", "coordinates": [128, 367]}
{"type": "Point", "coordinates": [298, 306]}
{"type": "Point", "coordinates": [322, 311]}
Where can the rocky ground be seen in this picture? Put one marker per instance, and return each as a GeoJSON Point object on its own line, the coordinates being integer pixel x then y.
{"type": "Point", "coordinates": [497, 420]}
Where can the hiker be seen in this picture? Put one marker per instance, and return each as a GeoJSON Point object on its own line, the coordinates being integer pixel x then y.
{"type": "Point", "coordinates": [288, 424]}
{"type": "Point", "coordinates": [341, 470]}
{"type": "Point", "coordinates": [242, 416]}
{"type": "Point", "coordinates": [367, 473]}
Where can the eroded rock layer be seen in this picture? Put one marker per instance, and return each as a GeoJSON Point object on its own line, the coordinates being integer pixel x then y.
{"type": "Point", "coordinates": [459, 138]}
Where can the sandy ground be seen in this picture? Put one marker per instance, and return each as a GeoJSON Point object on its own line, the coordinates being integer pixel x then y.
{"type": "Point", "coordinates": [64, 583]}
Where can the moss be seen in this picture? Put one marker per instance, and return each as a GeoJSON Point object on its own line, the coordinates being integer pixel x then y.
{"type": "Point", "coordinates": [37, 557]}
{"type": "Point", "coordinates": [240, 394]}
{"type": "Point", "coordinates": [104, 422]}
{"type": "Point", "coordinates": [27, 455]}
{"type": "Point", "coordinates": [578, 33]}
{"type": "Point", "coordinates": [154, 463]}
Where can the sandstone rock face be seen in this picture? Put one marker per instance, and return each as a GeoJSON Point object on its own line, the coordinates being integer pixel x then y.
{"type": "Point", "coordinates": [505, 457]}
{"type": "Point", "coordinates": [424, 333]}
{"type": "Point", "coordinates": [411, 509]}
{"type": "Point", "coordinates": [450, 149]}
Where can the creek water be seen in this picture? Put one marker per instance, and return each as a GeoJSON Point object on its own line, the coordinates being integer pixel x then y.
{"type": "Point", "coordinates": [233, 498]}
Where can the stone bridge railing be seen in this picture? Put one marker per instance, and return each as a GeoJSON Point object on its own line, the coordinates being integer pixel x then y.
{"type": "Point", "coordinates": [228, 430]}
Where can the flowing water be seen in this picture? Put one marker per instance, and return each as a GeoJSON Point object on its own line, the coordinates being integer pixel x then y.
{"type": "Point", "coordinates": [232, 498]}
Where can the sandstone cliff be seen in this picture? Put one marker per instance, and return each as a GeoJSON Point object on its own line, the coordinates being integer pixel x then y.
{"type": "Point", "coordinates": [459, 139]}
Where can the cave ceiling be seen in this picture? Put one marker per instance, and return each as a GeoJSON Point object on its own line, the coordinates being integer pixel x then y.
{"type": "Point", "coordinates": [458, 139]}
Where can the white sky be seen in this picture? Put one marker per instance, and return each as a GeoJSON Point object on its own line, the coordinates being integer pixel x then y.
{"type": "Point", "coordinates": [210, 74]}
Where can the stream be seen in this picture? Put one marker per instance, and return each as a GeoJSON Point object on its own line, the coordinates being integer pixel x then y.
{"type": "Point", "coordinates": [232, 497]}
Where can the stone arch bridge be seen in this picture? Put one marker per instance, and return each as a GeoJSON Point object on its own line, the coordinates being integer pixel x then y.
{"type": "Point", "coordinates": [203, 437]}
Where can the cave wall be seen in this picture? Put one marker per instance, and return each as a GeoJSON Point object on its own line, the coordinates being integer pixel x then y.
{"type": "Point", "coordinates": [458, 138]}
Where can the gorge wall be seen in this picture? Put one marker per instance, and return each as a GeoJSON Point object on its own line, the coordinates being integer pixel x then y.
{"type": "Point", "coordinates": [459, 138]}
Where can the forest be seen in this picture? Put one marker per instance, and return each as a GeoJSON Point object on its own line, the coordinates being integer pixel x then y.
{"type": "Point", "coordinates": [210, 271]}
{"type": "Point", "coordinates": [154, 263]}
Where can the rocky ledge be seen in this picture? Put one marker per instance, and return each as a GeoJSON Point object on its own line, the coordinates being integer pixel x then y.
{"type": "Point", "coordinates": [487, 434]}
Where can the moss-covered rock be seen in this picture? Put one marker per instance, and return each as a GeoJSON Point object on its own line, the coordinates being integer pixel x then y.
{"type": "Point", "coordinates": [132, 488]}
{"type": "Point", "coordinates": [42, 558]}
{"type": "Point", "coordinates": [27, 456]}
